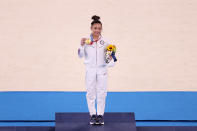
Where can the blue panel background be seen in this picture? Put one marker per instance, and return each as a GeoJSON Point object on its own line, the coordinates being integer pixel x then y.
{"type": "Point", "coordinates": [42, 105]}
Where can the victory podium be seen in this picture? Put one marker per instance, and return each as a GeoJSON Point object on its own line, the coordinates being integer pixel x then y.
{"type": "Point", "coordinates": [80, 122]}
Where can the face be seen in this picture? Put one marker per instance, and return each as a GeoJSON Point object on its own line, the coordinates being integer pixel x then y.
{"type": "Point", "coordinates": [96, 29]}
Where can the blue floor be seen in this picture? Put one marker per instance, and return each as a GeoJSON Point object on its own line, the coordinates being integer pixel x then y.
{"type": "Point", "coordinates": [137, 123]}
{"type": "Point", "coordinates": [42, 105]}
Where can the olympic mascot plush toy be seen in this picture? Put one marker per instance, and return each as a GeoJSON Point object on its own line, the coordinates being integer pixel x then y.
{"type": "Point", "coordinates": [110, 52]}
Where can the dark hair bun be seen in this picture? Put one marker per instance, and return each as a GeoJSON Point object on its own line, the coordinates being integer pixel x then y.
{"type": "Point", "coordinates": [95, 18]}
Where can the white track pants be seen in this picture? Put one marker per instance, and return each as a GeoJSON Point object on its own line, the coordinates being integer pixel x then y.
{"type": "Point", "coordinates": [96, 89]}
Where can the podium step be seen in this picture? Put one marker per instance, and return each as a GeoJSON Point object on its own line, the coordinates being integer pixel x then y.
{"type": "Point", "coordinates": [80, 122]}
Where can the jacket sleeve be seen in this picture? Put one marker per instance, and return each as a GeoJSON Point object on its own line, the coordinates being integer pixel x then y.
{"type": "Point", "coordinates": [111, 63]}
{"type": "Point", "coordinates": [81, 51]}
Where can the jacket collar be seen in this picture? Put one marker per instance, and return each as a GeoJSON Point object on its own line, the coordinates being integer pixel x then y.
{"type": "Point", "coordinates": [99, 41]}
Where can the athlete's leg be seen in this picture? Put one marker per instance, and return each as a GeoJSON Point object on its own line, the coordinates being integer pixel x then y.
{"type": "Point", "coordinates": [101, 90]}
{"type": "Point", "coordinates": [90, 81]}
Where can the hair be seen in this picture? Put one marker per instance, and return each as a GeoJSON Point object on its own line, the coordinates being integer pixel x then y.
{"type": "Point", "coordinates": [96, 20]}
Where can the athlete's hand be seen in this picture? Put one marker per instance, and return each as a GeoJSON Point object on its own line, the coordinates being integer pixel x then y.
{"type": "Point", "coordinates": [83, 41]}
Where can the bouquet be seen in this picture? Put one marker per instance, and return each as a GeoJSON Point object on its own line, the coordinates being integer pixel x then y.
{"type": "Point", "coordinates": [110, 52]}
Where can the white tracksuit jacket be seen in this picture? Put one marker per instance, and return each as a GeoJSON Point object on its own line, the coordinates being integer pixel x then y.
{"type": "Point", "coordinates": [94, 54]}
{"type": "Point", "coordinates": [96, 73]}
